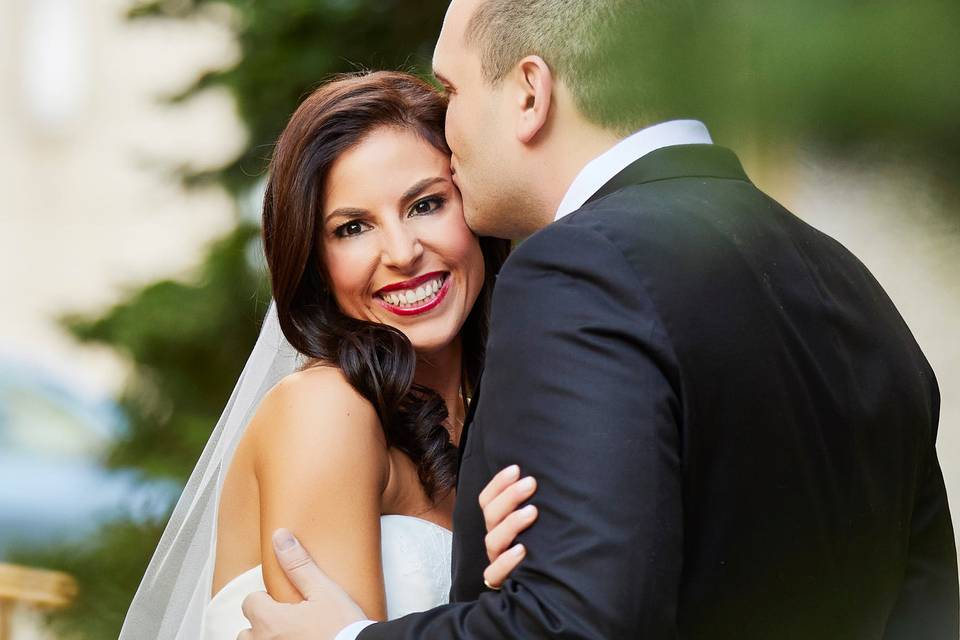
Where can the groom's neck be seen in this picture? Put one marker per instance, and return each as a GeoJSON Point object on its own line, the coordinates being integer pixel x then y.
{"type": "Point", "coordinates": [569, 144]}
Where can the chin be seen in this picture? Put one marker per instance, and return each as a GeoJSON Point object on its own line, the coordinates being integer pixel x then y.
{"type": "Point", "coordinates": [481, 225]}
{"type": "Point", "coordinates": [430, 346]}
{"type": "Point", "coordinates": [433, 336]}
{"type": "Point", "coordinates": [498, 224]}
{"type": "Point", "coordinates": [471, 218]}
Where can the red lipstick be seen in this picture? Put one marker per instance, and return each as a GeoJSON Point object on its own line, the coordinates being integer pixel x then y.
{"type": "Point", "coordinates": [413, 283]}
{"type": "Point", "coordinates": [426, 305]}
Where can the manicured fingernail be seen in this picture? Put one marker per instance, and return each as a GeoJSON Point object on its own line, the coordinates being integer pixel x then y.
{"type": "Point", "coordinates": [518, 550]}
{"type": "Point", "coordinates": [527, 484]}
{"type": "Point", "coordinates": [513, 471]}
{"type": "Point", "coordinates": [283, 540]}
{"type": "Point", "coordinates": [528, 512]}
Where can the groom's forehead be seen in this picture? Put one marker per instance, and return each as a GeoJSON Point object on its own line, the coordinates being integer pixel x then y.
{"type": "Point", "coordinates": [460, 11]}
{"type": "Point", "coordinates": [455, 24]}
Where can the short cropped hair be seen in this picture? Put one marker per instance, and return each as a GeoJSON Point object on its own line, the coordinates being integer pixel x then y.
{"type": "Point", "coordinates": [588, 44]}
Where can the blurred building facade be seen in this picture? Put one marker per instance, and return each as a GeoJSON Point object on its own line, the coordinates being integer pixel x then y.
{"type": "Point", "coordinates": [89, 209]}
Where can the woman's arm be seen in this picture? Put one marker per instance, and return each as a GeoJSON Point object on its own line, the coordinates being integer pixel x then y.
{"type": "Point", "coordinates": [314, 430]}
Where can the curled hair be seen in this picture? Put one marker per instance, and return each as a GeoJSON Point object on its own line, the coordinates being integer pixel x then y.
{"type": "Point", "coordinates": [377, 360]}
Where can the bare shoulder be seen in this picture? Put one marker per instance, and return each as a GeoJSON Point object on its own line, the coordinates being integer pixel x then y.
{"type": "Point", "coordinates": [317, 411]}
{"type": "Point", "coordinates": [321, 467]}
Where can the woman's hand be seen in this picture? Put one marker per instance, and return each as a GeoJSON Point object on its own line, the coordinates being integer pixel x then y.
{"type": "Point", "coordinates": [500, 500]}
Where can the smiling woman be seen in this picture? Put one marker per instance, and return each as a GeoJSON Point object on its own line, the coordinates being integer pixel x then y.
{"type": "Point", "coordinates": [360, 205]}
{"type": "Point", "coordinates": [383, 288]}
{"type": "Point", "coordinates": [397, 250]}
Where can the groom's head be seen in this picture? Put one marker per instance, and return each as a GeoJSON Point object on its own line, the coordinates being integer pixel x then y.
{"type": "Point", "coordinates": [537, 88]}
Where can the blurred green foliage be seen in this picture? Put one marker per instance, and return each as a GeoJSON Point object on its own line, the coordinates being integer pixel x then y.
{"type": "Point", "coordinates": [187, 342]}
{"type": "Point", "coordinates": [108, 566]}
{"type": "Point", "coordinates": [880, 79]}
{"type": "Point", "coordinates": [288, 47]}
{"type": "Point", "coordinates": [874, 80]}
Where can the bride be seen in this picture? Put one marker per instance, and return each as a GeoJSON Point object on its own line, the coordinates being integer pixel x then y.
{"type": "Point", "coordinates": [345, 427]}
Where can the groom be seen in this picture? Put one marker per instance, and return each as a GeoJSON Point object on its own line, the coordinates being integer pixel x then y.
{"type": "Point", "coordinates": [732, 428]}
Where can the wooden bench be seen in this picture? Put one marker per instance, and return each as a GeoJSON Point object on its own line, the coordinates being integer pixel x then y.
{"type": "Point", "coordinates": [34, 588]}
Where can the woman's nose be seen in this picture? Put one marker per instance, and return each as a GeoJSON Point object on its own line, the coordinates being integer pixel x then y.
{"type": "Point", "coordinates": [402, 249]}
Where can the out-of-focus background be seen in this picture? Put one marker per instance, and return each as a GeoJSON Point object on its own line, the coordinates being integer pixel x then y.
{"type": "Point", "coordinates": [133, 143]}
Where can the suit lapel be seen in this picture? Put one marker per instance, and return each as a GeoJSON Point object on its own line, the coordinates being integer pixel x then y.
{"type": "Point", "coordinates": [704, 160]}
{"type": "Point", "coordinates": [681, 161]}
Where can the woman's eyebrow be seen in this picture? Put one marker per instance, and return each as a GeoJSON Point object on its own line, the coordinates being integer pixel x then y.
{"type": "Point", "coordinates": [411, 193]}
{"type": "Point", "coordinates": [419, 188]}
{"type": "Point", "coordinates": [346, 212]}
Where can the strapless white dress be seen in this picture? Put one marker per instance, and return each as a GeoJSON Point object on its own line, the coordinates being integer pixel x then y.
{"type": "Point", "coordinates": [416, 574]}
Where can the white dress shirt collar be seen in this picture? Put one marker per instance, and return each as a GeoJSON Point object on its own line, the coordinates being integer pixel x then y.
{"type": "Point", "coordinates": [352, 631]}
{"type": "Point", "coordinates": [602, 169]}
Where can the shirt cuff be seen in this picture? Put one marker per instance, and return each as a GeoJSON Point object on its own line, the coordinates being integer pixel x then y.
{"type": "Point", "coordinates": [351, 632]}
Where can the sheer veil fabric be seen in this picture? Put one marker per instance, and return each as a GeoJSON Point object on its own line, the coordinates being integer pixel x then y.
{"type": "Point", "coordinates": [170, 602]}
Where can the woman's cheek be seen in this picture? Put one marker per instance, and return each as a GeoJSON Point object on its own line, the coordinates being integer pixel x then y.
{"type": "Point", "coordinates": [349, 273]}
{"type": "Point", "coordinates": [458, 237]}
{"type": "Point", "coordinates": [463, 249]}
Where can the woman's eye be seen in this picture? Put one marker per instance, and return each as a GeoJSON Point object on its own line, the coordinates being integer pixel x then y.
{"type": "Point", "coordinates": [427, 205]}
{"type": "Point", "coordinates": [349, 229]}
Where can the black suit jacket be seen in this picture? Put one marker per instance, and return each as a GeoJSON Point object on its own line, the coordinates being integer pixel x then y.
{"type": "Point", "coordinates": [732, 428]}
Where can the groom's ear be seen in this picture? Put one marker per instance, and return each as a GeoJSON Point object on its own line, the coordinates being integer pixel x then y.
{"type": "Point", "coordinates": [534, 94]}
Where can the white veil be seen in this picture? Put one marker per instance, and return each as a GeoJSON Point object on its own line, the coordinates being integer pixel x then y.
{"type": "Point", "coordinates": [170, 602]}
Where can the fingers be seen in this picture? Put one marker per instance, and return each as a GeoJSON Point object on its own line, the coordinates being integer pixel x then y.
{"type": "Point", "coordinates": [300, 568]}
{"type": "Point", "coordinates": [505, 534]}
{"type": "Point", "coordinates": [507, 501]}
{"type": "Point", "coordinates": [501, 481]}
{"type": "Point", "coordinates": [255, 604]}
{"type": "Point", "coordinates": [497, 572]}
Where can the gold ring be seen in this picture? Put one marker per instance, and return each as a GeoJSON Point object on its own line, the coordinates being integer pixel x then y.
{"type": "Point", "coordinates": [490, 586]}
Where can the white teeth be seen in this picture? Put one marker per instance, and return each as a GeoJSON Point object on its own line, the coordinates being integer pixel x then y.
{"type": "Point", "coordinates": [414, 296]}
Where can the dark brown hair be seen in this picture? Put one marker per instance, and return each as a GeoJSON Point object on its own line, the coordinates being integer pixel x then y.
{"type": "Point", "coordinates": [377, 360]}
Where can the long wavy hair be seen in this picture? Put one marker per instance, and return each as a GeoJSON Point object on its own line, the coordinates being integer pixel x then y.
{"type": "Point", "coordinates": [378, 360]}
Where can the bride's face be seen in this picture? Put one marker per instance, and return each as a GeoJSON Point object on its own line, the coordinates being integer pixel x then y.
{"type": "Point", "coordinates": [395, 244]}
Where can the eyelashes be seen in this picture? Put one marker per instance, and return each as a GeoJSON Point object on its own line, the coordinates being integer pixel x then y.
{"type": "Point", "coordinates": [423, 207]}
{"type": "Point", "coordinates": [349, 229]}
{"type": "Point", "coordinates": [438, 200]}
